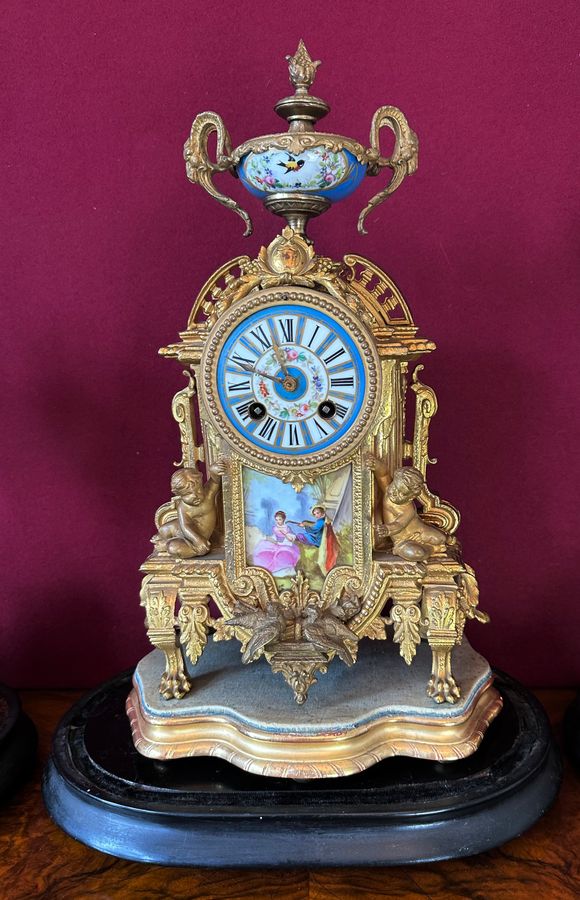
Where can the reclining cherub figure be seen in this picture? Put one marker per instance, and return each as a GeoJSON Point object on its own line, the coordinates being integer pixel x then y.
{"type": "Point", "coordinates": [412, 538]}
{"type": "Point", "coordinates": [187, 532]}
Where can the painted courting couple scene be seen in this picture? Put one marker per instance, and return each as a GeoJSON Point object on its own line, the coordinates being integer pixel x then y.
{"type": "Point", "coordinates": [308, 531]}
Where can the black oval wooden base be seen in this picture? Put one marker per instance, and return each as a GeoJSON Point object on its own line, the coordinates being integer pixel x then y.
{"type": "Point", "coordinates": [205, 812]}
{"type": "Point", "coordinates": [572, 731]}
{"type": "Point", "coordinates": [18, 743]}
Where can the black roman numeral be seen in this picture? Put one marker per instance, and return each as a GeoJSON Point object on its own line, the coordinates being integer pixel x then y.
{"type": "Point", "coordinates": [242, 359]}
{"type": "Point", "coordinates": [314, 333]}
{"type": "Point", "coordinates": [334, 356]}
{"type": "Point", "coordinates": [260, 335]}
{"type": "Point", "coordinates": [239, 386]}
{"type": "Point", "coordinates": [341, 410]}
{"type": "Point", "coordinates": [321, 428]}
{"type": "Point", "coordinates": [287, 326]}
{"type": "Point", "coordinates": [268, 429]}
{"type": "Point", "coordinates": [346, 381]}
{"type": "Point", "coordinates": [243, 410]}
{"type": "Point", "coordinates": [293, 434]}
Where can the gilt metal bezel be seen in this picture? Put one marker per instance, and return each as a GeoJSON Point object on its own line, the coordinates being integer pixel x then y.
{"type": "Point", "coordinates": [363, 342]}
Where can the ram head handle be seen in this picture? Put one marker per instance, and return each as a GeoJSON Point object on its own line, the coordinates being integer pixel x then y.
{"type": "Point", "coordinates": [404, 159]}
{"type": "Point", "coordinates": [200, 169]}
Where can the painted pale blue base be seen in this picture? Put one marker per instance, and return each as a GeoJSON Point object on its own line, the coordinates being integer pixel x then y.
{"type": "Point", "coordinates": [379, 685]}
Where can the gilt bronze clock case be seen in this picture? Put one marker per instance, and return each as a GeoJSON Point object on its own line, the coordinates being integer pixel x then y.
{"type": "Point", "coordinates": [306, 537]}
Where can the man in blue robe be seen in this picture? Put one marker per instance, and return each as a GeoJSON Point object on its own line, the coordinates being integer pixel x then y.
{"type": "Point", "coordinates": [313, 535]}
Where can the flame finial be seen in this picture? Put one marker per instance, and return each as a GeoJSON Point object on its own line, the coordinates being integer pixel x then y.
{"type": "Point", "coordinates": [302, 69]}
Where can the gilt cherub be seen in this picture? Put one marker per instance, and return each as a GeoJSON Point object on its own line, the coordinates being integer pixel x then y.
{"type": "Point", "coordinates": [412, 538]}
{"type": "Point", "coordinates": [187, 533]}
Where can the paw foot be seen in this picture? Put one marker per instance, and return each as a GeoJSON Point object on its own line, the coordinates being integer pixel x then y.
{"type": "Point", "coordinates": [174, 687]}
{"type": "Point", "coordinates": [443, 690]}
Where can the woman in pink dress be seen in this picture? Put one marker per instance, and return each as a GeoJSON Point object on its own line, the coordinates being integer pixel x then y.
{"type": "Point", "coordinates": [278, 553]}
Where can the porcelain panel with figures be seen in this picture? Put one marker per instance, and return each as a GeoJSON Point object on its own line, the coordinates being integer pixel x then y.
{"type": "Point", "coordinates": [289, 532]}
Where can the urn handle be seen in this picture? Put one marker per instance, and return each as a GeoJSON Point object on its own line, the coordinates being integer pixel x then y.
{"type": "Point", "coordinates": [403, 161]}
{"type": "Point", "coordinates": [200, 169]}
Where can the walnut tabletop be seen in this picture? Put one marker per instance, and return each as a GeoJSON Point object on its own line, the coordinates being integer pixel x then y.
{"type": "Point", "coordinates": [38, 860]}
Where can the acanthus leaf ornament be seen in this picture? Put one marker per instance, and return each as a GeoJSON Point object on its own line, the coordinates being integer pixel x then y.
{"type": "Point", "coordinates": [193, 620]}
{"type": "Point", "coordinates": [406, 618]}
{"type": "Point", "coordinates": [183, 409]}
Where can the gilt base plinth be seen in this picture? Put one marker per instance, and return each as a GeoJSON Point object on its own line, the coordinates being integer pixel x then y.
{"type": "Point", "coordinates": [353, 718]}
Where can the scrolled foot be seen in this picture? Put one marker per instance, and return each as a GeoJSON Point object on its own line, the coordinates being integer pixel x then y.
{"type": "Point", "coordinates": [443, 690]}
{"type": "Point", "coordinates": [174, 687]}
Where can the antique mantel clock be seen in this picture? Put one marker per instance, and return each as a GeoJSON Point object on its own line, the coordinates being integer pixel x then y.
{"type": "Point", "coordinates": [301, 522]}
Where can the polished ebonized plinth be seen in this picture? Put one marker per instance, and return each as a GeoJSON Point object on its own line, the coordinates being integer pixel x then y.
{"type": "Point", "coordinates": [18, 743]}
{"type": "Point", "coordinates": [207, 812]}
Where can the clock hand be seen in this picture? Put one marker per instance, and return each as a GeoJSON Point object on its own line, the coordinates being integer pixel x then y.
{"type": "Point", "coordinates": [287, 381]}
{"type": "Point", "coordinates": [249, 368]}
{"type": "Point", "coordinates": [280, 356]}
{"type": "Point", "coordinates": [277, 378]}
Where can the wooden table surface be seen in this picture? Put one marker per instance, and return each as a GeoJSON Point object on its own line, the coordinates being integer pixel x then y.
{"type": "Point", "coordinates": [39, 860]}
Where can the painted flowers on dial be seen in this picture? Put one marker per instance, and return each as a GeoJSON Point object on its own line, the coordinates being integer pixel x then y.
{"type": "Point", "coordinates": [314, 389]}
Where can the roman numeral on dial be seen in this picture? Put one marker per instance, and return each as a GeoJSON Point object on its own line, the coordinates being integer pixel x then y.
{"type": "Point", "coordinates": [260, 335]}
{"type": "Point", "coordinates": [313, 335]}
{"type": "Point", "coordinates": [242, 359]}
{"type": "Point", "coordinates": [342, 381]}
{"type": "Point", "coordinates": [268, 428]}
{"type": "Point", "coordinates": [287, 329]}
{"type": "Point", "coordinates": [292, 436]}
{"type": "Point", "coordinates": [332, 356]}
{"type": "Point", "coordinates": [243, 410]}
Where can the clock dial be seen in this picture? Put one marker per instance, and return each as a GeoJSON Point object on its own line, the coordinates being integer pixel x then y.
{"type": "Point", "coordinates": [291, 379]}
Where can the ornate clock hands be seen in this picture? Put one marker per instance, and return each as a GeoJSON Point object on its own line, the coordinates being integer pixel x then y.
{"type": "Point", "coordinates": [247, 367]}
{"type": "Point", "coordinates": [287, 382]}
{"type": "Point", "coordinates": [280, 356]}
{"type": "Point", "coordinates": [310, 379]}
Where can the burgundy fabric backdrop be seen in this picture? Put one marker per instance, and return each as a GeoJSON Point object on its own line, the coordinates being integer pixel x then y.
{"type": "Point", "coordinates": [105, 244]}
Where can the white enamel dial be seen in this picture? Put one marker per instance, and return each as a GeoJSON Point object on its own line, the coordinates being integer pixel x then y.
{"type": "Point", "coordinates": [291, 379]}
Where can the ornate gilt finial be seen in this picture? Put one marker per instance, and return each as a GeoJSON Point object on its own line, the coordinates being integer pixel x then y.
{"type": "Point", "coordinates": [299, 174]}
{"type": "Point", "coordinates": [302, 69]}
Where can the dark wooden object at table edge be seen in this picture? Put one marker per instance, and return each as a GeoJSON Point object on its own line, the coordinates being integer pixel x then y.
{"type": "Point", "coordinates": [18, 743]}
{"type": "Point", "coordinates": [572, 731]}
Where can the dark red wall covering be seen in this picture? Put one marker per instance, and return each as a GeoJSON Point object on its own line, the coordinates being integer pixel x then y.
{"type": "Point", "coordinates": [105, 244]}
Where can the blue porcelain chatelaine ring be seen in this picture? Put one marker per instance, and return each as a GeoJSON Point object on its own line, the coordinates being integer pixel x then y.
{"type": "Point", "coordinates": [300, 173]}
